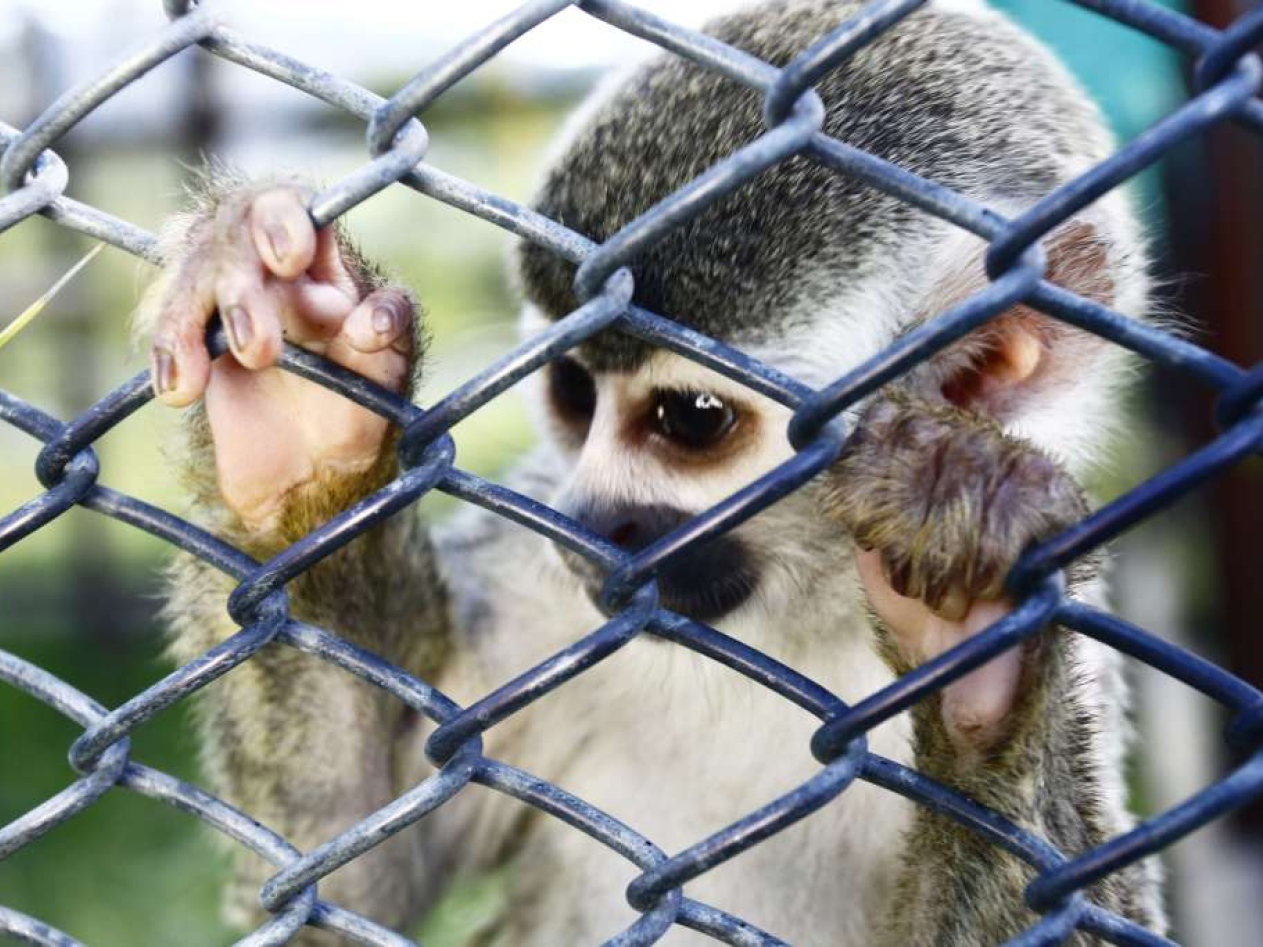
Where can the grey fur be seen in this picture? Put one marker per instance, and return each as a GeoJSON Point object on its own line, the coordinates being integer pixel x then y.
{"type": "Point", "coordinates": [969, 108]}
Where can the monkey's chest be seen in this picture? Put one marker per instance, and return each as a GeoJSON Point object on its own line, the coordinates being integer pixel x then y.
{"type": "Point", "coordinates": [678, 748]}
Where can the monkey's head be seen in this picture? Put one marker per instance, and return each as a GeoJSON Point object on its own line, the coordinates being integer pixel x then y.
{"type": "Point", "coordinates": [813, 272]}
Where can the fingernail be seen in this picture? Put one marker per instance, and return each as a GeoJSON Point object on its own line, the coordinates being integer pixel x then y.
{"type": "Point", "coordinates": [278, 238]}
{"type": "Point", "coordinates": [383, 320]}
{"type": "Point", "coordinates": [163, 371]}
{"type": "Point", "coordinates": [240, 330]}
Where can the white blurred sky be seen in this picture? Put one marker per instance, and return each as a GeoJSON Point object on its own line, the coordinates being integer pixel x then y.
{"type": "Point", "coordinates": [337, 34]}
{"type": "Point", "coordinates": [362, 40]}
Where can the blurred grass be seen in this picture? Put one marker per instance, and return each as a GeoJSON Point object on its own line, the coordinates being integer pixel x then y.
{"type": "Point", "coordinates": [127, 870]}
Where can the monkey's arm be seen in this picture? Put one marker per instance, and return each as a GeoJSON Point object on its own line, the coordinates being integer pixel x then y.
{"type": "Point", "coordinates": [941, 502]}
{"type": "Point", "coordinates": [298, 744]}
{"type": "Point", "coordinates": [301, 745]}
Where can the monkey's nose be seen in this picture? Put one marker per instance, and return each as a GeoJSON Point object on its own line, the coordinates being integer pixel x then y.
{"type": "Point", "coordinates": [624, 535]}
{"type": "Point", "coordinates": [704, 582]}
{"type": "Point", "coordinates": [631, 527]}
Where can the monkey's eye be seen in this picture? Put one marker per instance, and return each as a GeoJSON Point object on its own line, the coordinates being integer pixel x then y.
{"type": "Point", "coordinates": [572, 390]}
{"type": "Point", "coordinates": [692, 419]}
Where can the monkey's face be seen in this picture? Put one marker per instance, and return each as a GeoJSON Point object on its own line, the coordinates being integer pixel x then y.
{"type": "Point", "coordinates": [646, 450]}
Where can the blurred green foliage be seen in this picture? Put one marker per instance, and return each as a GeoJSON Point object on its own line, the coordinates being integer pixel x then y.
{"type": "Point", "coordinates": [127, 870]}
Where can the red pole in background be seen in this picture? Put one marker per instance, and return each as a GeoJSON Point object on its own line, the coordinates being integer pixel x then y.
{"type": "Point", "coordinates": [1216, 200]}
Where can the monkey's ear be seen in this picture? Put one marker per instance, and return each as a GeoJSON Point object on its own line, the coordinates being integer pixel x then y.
{"type": "Point", "coordinates": [1022, 359]}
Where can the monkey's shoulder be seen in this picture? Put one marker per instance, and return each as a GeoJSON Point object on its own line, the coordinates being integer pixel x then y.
{"type": "Point", "coordinates": [494, 567]}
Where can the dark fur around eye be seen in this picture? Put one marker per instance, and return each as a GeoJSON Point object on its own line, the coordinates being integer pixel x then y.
{"type": "Point", "coordinates": [692, 419]}
{"type": "Point", "coordinates": [572, 390]}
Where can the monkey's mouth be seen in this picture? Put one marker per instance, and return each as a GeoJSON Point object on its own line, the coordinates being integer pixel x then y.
{"type": "Point", "coordinates": [705, 583]}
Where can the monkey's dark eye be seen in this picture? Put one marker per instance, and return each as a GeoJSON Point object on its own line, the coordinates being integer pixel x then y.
{"type": "Point", "coordinates": [692, 419]}
{"type": "Point", "coordinates": [572, 389]}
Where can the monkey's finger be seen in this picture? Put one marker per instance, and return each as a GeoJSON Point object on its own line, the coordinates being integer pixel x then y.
{"type": "Point", "coordinates": [179, 364]}
{"type": "Point", "coordinates": [251, 303]}
{"type": "Point", "coordinates": [383, 320]}
{"type": "Point", "coordinates": [251, 317]}
{"type": "Point", "coordinates": [316, 310]}
{"type": "Point", "coordinates": [178, 360]}
{"type": "Point", "coordinates": [325, 294]}
{"type": "Point", "coordinates": [284, 236]}
{"type": "Point", "coordinates": [329, 263]}
{"type": "Point", "coordinates": [240, 278]}
{"type": "Point", "coordinates": [976, 706]}
{"type": "Point", "coordinates": [904, 617]}
{"type": "Point", "coordinates": [388, 367]}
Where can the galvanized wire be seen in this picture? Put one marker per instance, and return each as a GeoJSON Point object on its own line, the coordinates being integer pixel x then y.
{"type": "Point", "coordinates": [1227, 79]}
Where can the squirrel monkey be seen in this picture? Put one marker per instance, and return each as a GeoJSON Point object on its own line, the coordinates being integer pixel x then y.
{"type": "Point", "coordinates": [886, 560]}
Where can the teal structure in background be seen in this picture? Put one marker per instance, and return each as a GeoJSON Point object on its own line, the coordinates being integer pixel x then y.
{"type": "Point", "coordinates": [1135, 79]}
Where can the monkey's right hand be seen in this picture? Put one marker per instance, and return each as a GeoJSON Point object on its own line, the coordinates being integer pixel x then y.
{"type": "Point", "coordinates": [941, 502]}
{"type": "Point", "coordinates": [257, 260]}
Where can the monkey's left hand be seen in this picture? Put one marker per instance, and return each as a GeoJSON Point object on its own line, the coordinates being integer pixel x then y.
{"type": "Point", "coordinates": [941, 502]}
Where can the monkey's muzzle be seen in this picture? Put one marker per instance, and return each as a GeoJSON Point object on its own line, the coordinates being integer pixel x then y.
{"type": "Point", "coordinates": [705, 582]}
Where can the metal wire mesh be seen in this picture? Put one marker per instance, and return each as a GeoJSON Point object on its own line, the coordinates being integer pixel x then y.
{"type": "Point", "coordinates": [1227, 78]}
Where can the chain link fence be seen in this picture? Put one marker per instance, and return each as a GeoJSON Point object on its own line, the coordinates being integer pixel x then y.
{"type": "Point", "coordinates": [1227, 77]}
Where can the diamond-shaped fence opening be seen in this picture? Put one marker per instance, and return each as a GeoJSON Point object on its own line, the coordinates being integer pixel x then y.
{"type": "Point", "coordinates": [34, 180]}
